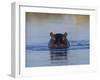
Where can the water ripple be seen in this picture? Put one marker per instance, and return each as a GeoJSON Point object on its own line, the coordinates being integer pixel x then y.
{"type": "Point", "coordinates": [74, 45]}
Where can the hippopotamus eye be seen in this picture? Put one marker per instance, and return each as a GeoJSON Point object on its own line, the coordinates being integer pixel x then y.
{"type": "Point", "coordinates": [53, 38]}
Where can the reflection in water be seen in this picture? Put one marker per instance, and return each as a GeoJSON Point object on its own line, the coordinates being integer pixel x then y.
{"type": "Point", "coordinates": [58, 56]}
{"type": "Point", "coordinates": [40, 55]}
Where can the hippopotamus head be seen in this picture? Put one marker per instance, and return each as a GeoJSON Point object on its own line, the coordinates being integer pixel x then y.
{"type": "Point", "coordinates": [58, 40]}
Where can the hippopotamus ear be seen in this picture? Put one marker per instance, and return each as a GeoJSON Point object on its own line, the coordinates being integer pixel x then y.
{"type": "Point", "coordinates": [65, 34]}
{"type": "Point", "coordinates": [52, 35]}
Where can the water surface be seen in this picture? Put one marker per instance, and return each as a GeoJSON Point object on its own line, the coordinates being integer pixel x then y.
{"type": "Point", "coordinates": [40, 55]}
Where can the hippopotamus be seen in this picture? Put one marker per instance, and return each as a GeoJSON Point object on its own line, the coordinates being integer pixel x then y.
{"type": "Point", "coordinates": [58, 40]}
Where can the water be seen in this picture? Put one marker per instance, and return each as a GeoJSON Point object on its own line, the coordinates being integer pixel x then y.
{"type": "Point", "coordinates": [40, 55]}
